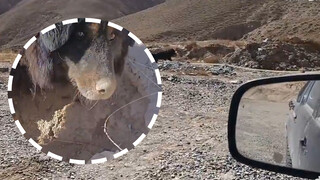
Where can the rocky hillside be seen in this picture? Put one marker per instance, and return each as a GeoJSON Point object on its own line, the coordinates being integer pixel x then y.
{"type": "Point", "coordinates": [292, 19]}
{"type": "Point", "coordinates": [292, 54]}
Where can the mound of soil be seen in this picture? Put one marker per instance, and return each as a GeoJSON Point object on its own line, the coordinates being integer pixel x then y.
{"type": "Point", "coordinates": [280, 92]}
{"type": "Point", "coordinates": [277, 55]}
{"type": "Point", "coordinates": [206, 51]}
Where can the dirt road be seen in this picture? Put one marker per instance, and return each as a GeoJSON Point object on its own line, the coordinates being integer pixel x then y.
{"type": "Point", "coordinates": [262, 118]}
{"type": "Point", "coordinates": [261, 130]}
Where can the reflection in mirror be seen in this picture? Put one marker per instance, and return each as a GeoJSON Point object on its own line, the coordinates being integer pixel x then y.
{"type": "Point", "coordinates": [280, 124]}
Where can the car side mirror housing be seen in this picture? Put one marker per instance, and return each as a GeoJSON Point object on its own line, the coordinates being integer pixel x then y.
{"type": "Point", "coordinates": [274, 125]}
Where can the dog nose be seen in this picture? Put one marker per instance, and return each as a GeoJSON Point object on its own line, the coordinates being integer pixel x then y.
{"type": "Point", "coordinates": [101, 91]}
{"type": "Point", "coordinates": [103, 85]}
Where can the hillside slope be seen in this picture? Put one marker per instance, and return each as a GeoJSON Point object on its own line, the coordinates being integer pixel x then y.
{"type": "Point", "coordinates": [179, 20]}
{"type": "Point", "coordinates": [21, 22]}
{"type": "Point", "coordinates": [295, 19]}
{"type": "Point", "coordinates": [6, 5]}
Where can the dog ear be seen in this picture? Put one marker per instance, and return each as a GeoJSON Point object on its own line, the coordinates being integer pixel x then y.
{"type": "Point", "coordinates": [126, 43]}
{"type": "Point", "coordinates": [39, 63]}
{"type": "Point", "coordinates": [38, 56]}
{"type": "Point", "coordinates": [57, 37]}
{"type": "Point", "coordinates": [129, 40]}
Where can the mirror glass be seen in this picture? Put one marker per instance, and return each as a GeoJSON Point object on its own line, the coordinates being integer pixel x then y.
{"type": "Point", "coordinates": [280, 124]}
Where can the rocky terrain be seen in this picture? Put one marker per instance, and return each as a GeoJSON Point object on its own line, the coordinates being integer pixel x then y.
{"type": "Point", "coordinates": [290, 55]}
{"type": "Point", "coordinates": [188, 141]}
{"type": "Point", "coordinates": [278, 55]}
{"type": "Point", "coordinates": [269, 34]}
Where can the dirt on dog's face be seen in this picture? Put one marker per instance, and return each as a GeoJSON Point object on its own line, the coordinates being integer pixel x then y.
{"type": "Point", "coordinates": [95, 55]}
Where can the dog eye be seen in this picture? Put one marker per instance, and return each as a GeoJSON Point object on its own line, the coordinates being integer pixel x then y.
{"type": "Point", "coordinates": [112, 37]}
{"type": "Point", "coordinates": [80, 34]}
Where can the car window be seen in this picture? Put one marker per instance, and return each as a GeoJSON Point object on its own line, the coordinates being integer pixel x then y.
{"type": "Point", "coordinates": [316, 113]}
{"type": "Point", "coordinates": [306, 92]}
{"type": "Point", "coordinates": [314, 95]}
{"type": "Point", "coordinates": [302, 91]}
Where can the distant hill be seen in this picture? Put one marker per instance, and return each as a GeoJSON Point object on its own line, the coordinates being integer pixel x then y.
{"type": "Point", "coordinates": [172, 20]}
{"type": "Point", "coordinates": [18, 24]}
{"type": "Point", "coordinates": [6, 5]}
{"type": "Point", "coordinates": [179, 20]}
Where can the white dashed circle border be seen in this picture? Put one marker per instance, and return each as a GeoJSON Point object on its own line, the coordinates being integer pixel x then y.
{"type": "Point", "coordinates": [88, 20]}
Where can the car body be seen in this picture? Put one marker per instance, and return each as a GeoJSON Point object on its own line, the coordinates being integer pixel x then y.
{"type": "Point", "coordinates": [303, 129]}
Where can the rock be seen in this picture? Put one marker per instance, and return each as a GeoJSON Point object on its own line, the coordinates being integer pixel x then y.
{"type": "Point", "coordinates": [235, 81]}
{"type": "Point", "coordinates": [222, 70]}
{"type": "Point", "coordinates": [211, 59]}
{"type": "Point", "coordinates": [4, 69]}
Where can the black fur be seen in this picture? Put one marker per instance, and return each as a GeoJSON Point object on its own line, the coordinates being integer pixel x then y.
{"type": "Point", "coordinates": [67, 41]}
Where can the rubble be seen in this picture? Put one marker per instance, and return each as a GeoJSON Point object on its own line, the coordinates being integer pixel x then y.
{"type": "Point", "coordinates": [277, 55]}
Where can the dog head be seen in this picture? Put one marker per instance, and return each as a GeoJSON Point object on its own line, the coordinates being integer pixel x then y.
{"type": "Point", "coordinates": [94, 54]}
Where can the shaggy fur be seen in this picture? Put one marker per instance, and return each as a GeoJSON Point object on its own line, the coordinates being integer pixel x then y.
{"type": "Point", "coordinates": [93, 56]}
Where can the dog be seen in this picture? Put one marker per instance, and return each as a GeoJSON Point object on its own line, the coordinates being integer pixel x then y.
{"type": "Point", "coordinates": [167, 54]}
{"type": "Point", "coordinates": [91, 55]}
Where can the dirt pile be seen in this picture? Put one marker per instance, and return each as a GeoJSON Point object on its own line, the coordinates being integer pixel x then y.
{"type": "Point", "coordinates": [292, 54]}
{"type": "Point", "coordinates": [286, 54]}
{"type": "Point", "coordinates": [280, 92]}
{"type": "Point", "coordinates": [194, 51]}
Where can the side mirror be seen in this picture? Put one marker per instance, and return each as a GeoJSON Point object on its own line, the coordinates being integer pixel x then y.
{"type": "Point", "coordinates": [272, 125]}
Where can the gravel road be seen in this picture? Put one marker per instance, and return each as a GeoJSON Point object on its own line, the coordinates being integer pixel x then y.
{"type": "Point", "coordinates": [261, 124]}
{"type": "Point", "coordinates": [188, 141]}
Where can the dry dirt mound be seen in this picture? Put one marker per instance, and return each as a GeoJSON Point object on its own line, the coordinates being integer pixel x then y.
{"type": "Point", "coordinates": [30, 16]}
{"type": "Point", "coordinates": [195, 51]}
{"type": "Point", "coordinates": [288, 54]}
{"type": "Point", "coordinates": [278, 55]}
{"type": "Point", "coordinates": [281, 92]}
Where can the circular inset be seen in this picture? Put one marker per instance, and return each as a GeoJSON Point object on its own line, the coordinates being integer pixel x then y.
{"type": "Point", "coordinates": [84, 91]}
